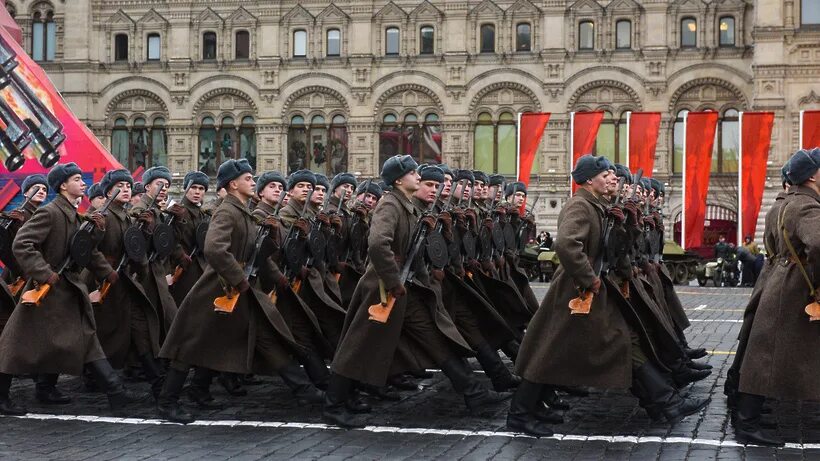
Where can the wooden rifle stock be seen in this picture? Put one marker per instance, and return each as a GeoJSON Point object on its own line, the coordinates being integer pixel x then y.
{"type": "Point", "coordinates": [380, 312]}
{"type": "Point", "coordinates": [226, 304]}
{"type": "Point", "coordinates": [18, 285]}
{"type": "Point", "coordinates": [36, 295]}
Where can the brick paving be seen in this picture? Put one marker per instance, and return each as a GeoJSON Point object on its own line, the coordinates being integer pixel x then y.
{"type": "Point", "coordinates": [430, 423]}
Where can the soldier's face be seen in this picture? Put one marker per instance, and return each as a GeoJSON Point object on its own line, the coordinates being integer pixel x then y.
{"type": "Point", "coordinates": [448, 186]}
{"type": "Point", "coordinates": [518, 199]}
{"type": "Point", "coordinates": [612, 184]}
{"type": "Point", "coordinates": [271, 192]}
{"type": "Point", "coordinates": [370, 201]}
{"type": "Point", "coordinates": [480, 190]}
{"type": "Point", "coordinates": [39, 196]}
{"type": "Point", "coordinates": [344, 191]}
{"type": "Point", "coordinates": [125, 191]}
{"type": "Point", "coordinates": [300, 191]}
{"type": "Point", "coordinates": [244, 186]}
{"type": "Point", "coordinates": [195, 193]}
{"type": "Point", "coordinates": [153, 189]}
{"type": "Point", "coordinates": [600, 183]}
{"type": "Point", "coordinates": [427, 191]}
{"type": "Point", "coordinates": [409, 182]}
{"type": "Point", "coordinates": [135, 199]}
{"type": "Point", "coordinates": [318, 195]}
{"type": "Point", "coordinates": [74, 186]}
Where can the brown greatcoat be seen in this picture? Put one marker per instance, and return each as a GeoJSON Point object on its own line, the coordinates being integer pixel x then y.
{"type": "Point", "coordinates": [58, 336]}
{"type": "Point", "coordinates": [154, 280]}
{"type": "Point", "coordinates": [577, 350]}
{"type": "Point", "coordinates": [185, 233]}
{"type": "Point", "coordinates": [12, 270]}
{"type": "Point", "coordinates": [370, 351]}
{"type": "Point", "coordinates": [113, 315]}
{"type": "Point", "coordinates": [784, 346]}
{"type": "Point", "coordinates": [227, 342]}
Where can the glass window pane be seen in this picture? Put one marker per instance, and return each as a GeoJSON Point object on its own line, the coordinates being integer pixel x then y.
{"type": "Point", "coordinates": [37, 41]}
{"type": "Point", "coordinates": [121, 47]}
{"type": "Point", "coordinates": [410, 141]}
{"type": "Point", "coordinates": [318, 149]}
{"type": "Point", "coordinates": [297, 149]}
{"type": "Point", "coordinates": [522, 37]}
{"type": "Point", "coordinates": [410, 118]}
{"type": "Point", "coordinates": [431, 118]}
{"type": "Point", "coordinates": [729, 145]}
{"type": "Point", "coordinates": [227, 120]}
{"type": "Point", "coordinates": [622, 147]}
{"type": "Point", "coordinates": [506, 116]}
{"type": "Point", "coordinates": [247, 145]}
{"type": "Point", "coordinates": [159, 121]}
{"type": "Point", "coordinates": [51, 40]}
{"type": "Point", "coordinates": [153, 47]}
{"type": "Point", "coordinates": [207, 151]}
{"type": "Point", "coordinates": [209, 46]}
{"type": "Point", "coordinates": [488, 38]}
{"type": "Point", "coordinates": [317, 120]}
{"type": "Point", "coordinates": [159, 153]}
{"type": "Point", "coordinates": [119, 145]}
{"type": "Point", "coordinates": [299, 43]}
{"type": "Point", "coordinates": [427, 40]}
{"type": "Point", "coordinates": [139, 140]}
{"type": "Point", "coordinates": [727, 31]}
{"type": "Point", "coordinates": [337, 147]}
{"type": "Point", "coordinates": [431, 144]}
{"type": "Point", "coordinates": [208, 121]}
{"type": "Point", "coordinates": [334, 42]}
{"type": "Point", "coordinates": [389, 118]}
{"type": "Point", "coordinates": [485, 117]}
{"type": "Point", "coordinates": [623, 34]}
{"type": "Point", "coordinates": [243, 45]}
{"type": "Point", "coordinates": [297, 120]}
{"type": "Point", "coordinates": [139, 121]}
{"type": "Point", "coordinates": [119, 122]}
{"type": "Point", "coordinates": [688, 33]}
{"type": "Point", "coordinates": [483, 148]}
{"type": "Point", "coordinates": [586, 35]}
{"type": "Point", "coordinates": [506, 149]}
{"type": "Point", "coordinates": [388, 142]}
{"type": "Point", "coordinates": [248, 120]}
{"type": "Point", "coordinates": [391, 41]}
{"type": "Point", "coordinates": [677, 140]}
{"type": "Point", "coordinates": [810, 12]}
{"type": "Point", "coordinates": [338, 119]}
{"type": "Point", "coordinates": [605, 142]}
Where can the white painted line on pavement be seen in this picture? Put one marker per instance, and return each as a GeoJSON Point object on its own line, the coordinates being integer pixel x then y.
{"type": "Point", "coordinates": [717, 320]}
{"type": "Point", "coordinates": [701, 307]}
{"type": "Point", "coordinates": [408, 430]}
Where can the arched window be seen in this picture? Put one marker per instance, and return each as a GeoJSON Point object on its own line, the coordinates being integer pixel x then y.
{"type": "Point", "coordinates": [299, 43]}
{"type": "Point", "coordinates": [726, 31]}
{"type": "Point", "coordinates": [119, 142]}
{"type": "Point", "coordinates": [523, 37]}
{"type": "Point", "coordinates": [247, 140]}
{"type": "Point", "coordinates": [43, 36]}
{"type": "Point", "coordinates": [318, 146]}
{"type": "Point", "coordinates": [140, 150]}
{"type": "Point", "coordinates": [208, 146]}
{"type": "Point", "coordinates": [140, 145]}
{"type": "Point", "coordinates": [421, 140]}
{"type": "Point", "coordinates": [809, 12]}
{"type": "Point", "coordinates": [334, 42]}
{"type": "Point", "coordinates": [159, 143]}
{"type": "Point", "coordinates": [391, 41]}
{"type": "Point", "coordinates": [487, 38]}
{"type": "Point", "coordinates": [688, 33]}
{"type": "Point", "coordinates": [427, 40]}
{"type": "Point", "coordinates": [494, 144]}
{"type": "Point", "coordinates": [724, 152]}
{"type": "Point", "coordinates": [121, 47]}
{"type": "Point", "coordinates": [586, 35]}
{"type": "Point", "coordinates": [153, 48]}
{"type": "Point", "coordinates": [209, 46]}
{"type": "Point", "coordinates": [242, 44]}
{"type": "Point", "coordinates": [678, 135]}
{"type": "Point", "coordinates": [623, 34]}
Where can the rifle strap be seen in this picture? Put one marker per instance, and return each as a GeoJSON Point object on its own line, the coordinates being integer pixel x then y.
{"type": "Point", "coordinates": [797, 261]}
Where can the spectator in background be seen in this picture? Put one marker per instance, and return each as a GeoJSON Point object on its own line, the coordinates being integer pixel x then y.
{"type": "Point", "coordinates": [749, 254]}
{"type": "Point", "coordinates": [544, 241]}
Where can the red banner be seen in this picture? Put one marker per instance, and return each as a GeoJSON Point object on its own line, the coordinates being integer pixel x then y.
{"type": "Point", "coordinates": [530, 132]}
{"type": "Point", "coordinates": [755, 141]}
{"type": "Point", "coordinates": [643, 139]}
{"type": "Point", "coordinates": [8, 23]}
{"type": "Point", "coordinates": [697, 158]}
{"type": "Point", "coordinates": [584, 130]}
{"type": "Point", "coordinates": [810, 129]}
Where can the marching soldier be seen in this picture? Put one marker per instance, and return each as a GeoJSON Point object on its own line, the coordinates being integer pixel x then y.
{"type": "Point", "coordinates": [137, 192]}
{"type": "Point", "coordinates": [36, 187]}
{"type": "Point", "coordinates": [188, 258]}
{"type": "Point", "coordinates": [368, 194]}
{"type": "Point", "coordinates": [96, 197]}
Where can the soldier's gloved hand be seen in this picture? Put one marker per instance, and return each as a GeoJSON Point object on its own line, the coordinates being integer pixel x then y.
{"type": "Point", "coordinates": [272, 222]}
{"type": "Point", "coordinates": [596, 286]}
{"type": "Point", "coordinates": [473, 265]}
{"type": "Point", "coordinates": [281, 281]}
{"type": "Point", "coordinates": [398, 291]}
{"type": "Point", "coordinates": [323, 218]}
{"type": "Point", "coordinates": [487, 266]}
{"type": "Point", "coordinates": [98, 219]}
{"type": "Point", "coordinates": [303, 225]}
{"type": "Point", "coordinates": [336, 222]}
{"type": "Point", "coordinates": [437, 274]}
{"type": "Point", "coordinates": [472, 217]}
{"type": "Point", "coordinates": [429, 221]}
{"type": "Point", "coordinates": [631, 211]}
{"type": "Point", "coordinates": [649, 222]}
{"type": "Point", "coordinates": [243, 286]}
{"type": "Point", "coordinates": [176, 210]}
{"type": "Point", "coordinates": [616, 214]}
{"type": "Point", "coordinates": [340, 267]}
{"type": "Point", "coordinates": [147, 217]}
{"type": "Point", "coordinates": [113, 277]}
{"type": "Point", "coordinates": [361, 211]}
{"type": "Point", "coordinates": [501, 211]}
{"type": "Point", "coordinates": [446, 220]}
{"type": "Point", "coordinates": [16, 215]}
{"type": "Point", "coordinates": [488, 223]}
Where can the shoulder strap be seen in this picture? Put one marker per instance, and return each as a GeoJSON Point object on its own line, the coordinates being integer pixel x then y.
{"type": "Point", "coordinates": [782, 225]}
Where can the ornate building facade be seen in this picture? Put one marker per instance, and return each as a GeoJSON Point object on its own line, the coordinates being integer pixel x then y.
{"type": "Point", "coordinates": [341, 85]}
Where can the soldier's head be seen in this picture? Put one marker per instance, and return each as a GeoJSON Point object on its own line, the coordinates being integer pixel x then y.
{"type": "Point", "coordinates": [343, 185]}
{"type": "Point", "coordinates": [592, 174]}
{"type": "Point", "coordinates": [39, 182]}
{"type": "Point", "coordinates": [496, 190]}
{"type": "Point", "coordinates": [321, 188]}
{"type": "Point", "coordinates": [481, 185]}
{"type": "Point", "coordinates": [515, 193]}
{"type": "Point", "coordinates": [430, 177]}
{"type": "Point", "coordinates": [399, 172]}
{"type": "Point", "coordinates": [195, 184]}
{"type": "Point", "coordinates": [300, 183]}
{"type": "Point", "coordinates": [804, 168]}
{"type": "Point", "coordinates": [157, 180]}
{"type": "Point", "coordinates": [137, 192]}
{"type": "Point", "coordinates": [369, 193]}
{"type": "Point", "coordinates": [118, 179]}
{"type": "Point", "coordinates": [236, 177]}
{"type": "Point", "coordinates": [463, 180]}
{"type": "Point", "coordinates": [67, 180]}
{"type": "Point", "coordinates": [448, 180]}
{"type": "Point", "coordinates": [96, 196]}
{"type": "Point", "coordinates": [785, 182]}
{"type": "Point", "coordinates": [270, 186]}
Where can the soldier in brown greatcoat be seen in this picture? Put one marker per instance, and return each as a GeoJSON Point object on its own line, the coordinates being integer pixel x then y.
{"type": "Point", "coordinates": [783, 350]}
{"type": "Point", "coordinates": [58, 336]}
{"type": "Point", "coordinates": [11, 273]}
{"type": "Point", "coordinates": [188, 260]}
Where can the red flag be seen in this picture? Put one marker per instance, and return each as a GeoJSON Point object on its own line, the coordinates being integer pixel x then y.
{"type": "Point", "coordinates": [584, 129]}
{"type": "Point", "coordinates": [643, 138]}
{"type": "Point", "coordinates": [8, 23]}
{"type": "Point", "coordinates": [697, 161]}
{"type": "Point", "coordinates": [755, 140]}
{"type": "Point", "coordinates": [809, 129]}
{"type": "Point", "coordinates": [530, 130]}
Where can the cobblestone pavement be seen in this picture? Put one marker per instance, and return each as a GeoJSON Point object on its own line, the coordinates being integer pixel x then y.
{"type": "Point", "coordinates": [431, 422]}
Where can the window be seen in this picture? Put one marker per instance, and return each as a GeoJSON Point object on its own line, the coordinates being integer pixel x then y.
{"type": "Point", "coordinates": [243, 44]}
{"type": "Point", "coordinates": [247, 140]}
{"type": "Point", "coordinates": [153, 47]}
{"type": "Point", "coordinates": [523, 37]}
{"type": "Point", "coordinates": [726, 31]}
{"type": "Point", "coordinates": [427, 45]}
{"type": "Point", "coordinates": [724, 152]}
{"type": "Point", "coordinates": [319, 147]}
{"type": "Point", "coordinates": [586, 35]}
{"type": "Point", "coordinates": [487, 38]}
{"type": "Point", "coordinates": [121, 47]}
{"type": "Point", "coordinates": [334, 42]}
{"type": "Point", "coordinates": [140, 145]}
{"type": "Point", "coordinates": [494, 144]}
{"type": "Point", "coordinates": [421, 140]}
{"type": "Point", "coordinates": [810, 12]}
{"type": "Point", "coordinates": [611, 139]}
{"type": "Point", "coordinates": [391, 41]}
{"type": "Point", "coordinates": [207, 147]}
{"type": "Point", "coordinates": [159, 142]}
{"type": "Point", "coordinates": [119, 142]}
{"type": "Point", "coordinates": [209, 46]}
{"type": "Point", "coordinates": [623, 34]}
{"type": "Point", "coordinates": [299, 43]}
{"type": "Point", "coordinates": [678, 135]}
{"type": "Point", "coordinates": [43, 36]}
{"type": "Point", "coordinates": [688, 33]}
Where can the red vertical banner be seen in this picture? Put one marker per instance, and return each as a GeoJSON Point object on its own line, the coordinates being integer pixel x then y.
{"type": "Point", "coordinates": [697, 162]}
{"type": "Point", "coordinates": [809, 129]}
{"type": "Point", "coordinates": [530, 131]}
{"type": "Point", "coordinates": [643, 139]}
{"type": "Point", "coordinates": [755, 141]}
{"type": "Point", "coordinates": [583, 131]}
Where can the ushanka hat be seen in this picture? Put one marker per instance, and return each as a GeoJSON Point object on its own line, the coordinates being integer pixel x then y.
{"type": "Point", "coordinates": [32, 180]}
{"type": "Point", "coordinates": [112, 177]}
{"type": "Point", "coordinates": [514, 187]}
{"type": "Point", "coordinates": [343, 178]}
{"type": "Point", "coordinates": [156, 172]}
{"type": "Point", "coordinates": [803, 164]}
{"type": "Point", "coordinates": [370, 187]}
{"type": "Point", "coordinates": [269, 177]}
{"type": "Point", "coordinates": [60, 174]}
{"type": "Point", "coordinates": [431, 173]}
{"type": "Point", "coordinates": [397, 166]}
{"type": "Point", "coordinates": [301, 176]}
{"type": "Point", "coordinates": [321, 180]}
{"type": "Point", "coordinates": [195, 177]}
{"type": "Point", "coordinates": [589, 166]}
{"type": "Point", "coordinates": [230, 170]}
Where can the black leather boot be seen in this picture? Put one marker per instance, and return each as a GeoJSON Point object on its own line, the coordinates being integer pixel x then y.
{"type": "Point", "coordinates": [7, 406]}
{"type": "Point", "coordinates": [550, 397]}
{"type": "Point", "coordinates": [476, 395]}
{"type": "Point", "coordinates": [698, 365]}
{"type": "Point", "coordinates": [154, 374]}
{"type": "Point", "coordinates": [748, 429]}
{"type": "Point", "coordinates": [683, 375]}
{"type": "Point", "coordinates": [521, 417]}
{"type": "Point", "coordinates": [230, 381]}
{"type": "Point", "coordinates": [199, 391]}
{"type": "Point", "coordinates": [315, 368]}
{"type": "Point", "coordinates": [334, 410]}
{"type": "Point", "coordinates": [510, 349]}
{"type": "Point", "coordinates": [659, 397]}
{"type": "Point", "coordinates": [695, 354]}
{"type": "Point", "coordinates": [403, 382]}
{"type": "Point", "coordinates": [298, 382]}
{"type": "Point", "coordinates": [382, 393]}
{"type": "Point", "coordinates": [575, 391]}
{"type": "Point", "coordinates": [499, 374]}
{"type": "Point", "coordinates": [46, 390]}
{"type": "Point", "coordinates": [168, 405]}
{"type": "Point", "coordinates": [730, 388]}
{"type": "Point", "coordinates": [118, 396]}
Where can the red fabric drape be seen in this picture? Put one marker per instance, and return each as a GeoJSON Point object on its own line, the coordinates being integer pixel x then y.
{"type": "Point", "coordinates": [584, 131]}
{"type": "Point", "coordinates": [811, 129]}
{"type": "Point", "coordinates": [529, 138]}
{"type": "Point", "coordinates": [700, 136]}
{"type": "Point", "coordinates": [643, 138]}
{"type": "Point", "coordinates": [755, 140]}
{"type": "Point", "coordinates": [8, 23]}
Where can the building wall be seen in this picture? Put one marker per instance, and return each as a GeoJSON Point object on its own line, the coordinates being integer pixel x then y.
{"type": "Point", "coordinates": [773, 65]}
